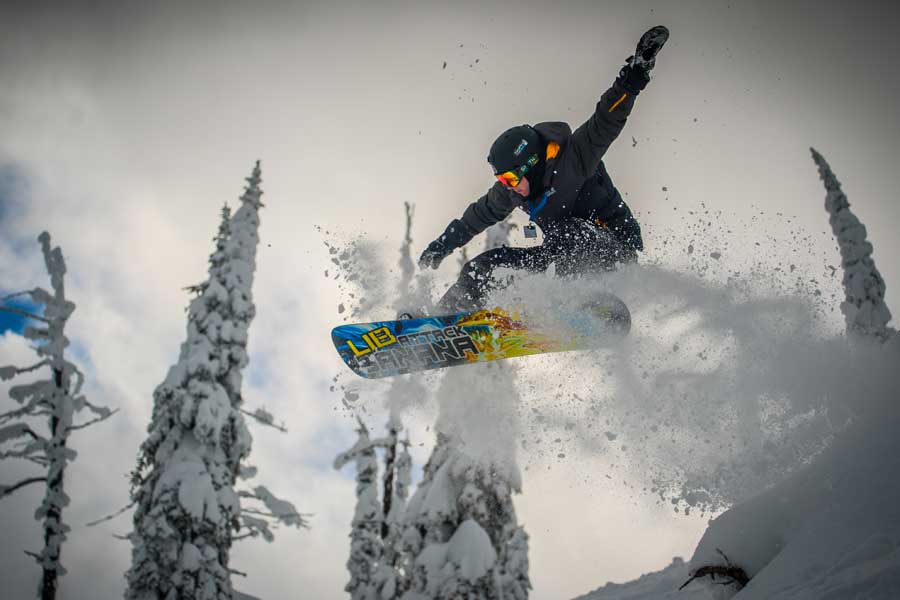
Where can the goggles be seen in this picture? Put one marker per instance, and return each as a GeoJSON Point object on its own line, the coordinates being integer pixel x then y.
{"type": "Point", "coordinates": [512, 177]}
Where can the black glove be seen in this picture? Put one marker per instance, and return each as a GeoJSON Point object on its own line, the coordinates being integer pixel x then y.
{"type": "Point", "coordinates": [634, 78]}
{"type": "Point", "coordinates": [456, 235]}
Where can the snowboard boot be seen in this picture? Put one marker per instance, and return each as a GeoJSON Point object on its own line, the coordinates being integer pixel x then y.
{"type": "Point", "coordinates": [456, 300]}
{"type": "Point", "coordinates": [413, 312]}
{"type": "Point", "coordinates": [635, 75]}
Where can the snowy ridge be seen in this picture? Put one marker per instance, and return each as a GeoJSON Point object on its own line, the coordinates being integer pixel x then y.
{"type": "Point", "coordinates": [662, 584]}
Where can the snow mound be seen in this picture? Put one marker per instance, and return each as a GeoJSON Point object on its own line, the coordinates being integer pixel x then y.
{"type": "Point", "coordinates": [833, 529]}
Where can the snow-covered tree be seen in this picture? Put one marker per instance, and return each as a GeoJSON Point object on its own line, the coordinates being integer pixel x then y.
{"type": "Point", "coordinates": [366, 547]}
{"type": "Point", "coordinates": [188, 509]}
{"type": "Point", "coordinates": [864, 309]}
{"type": "Point", "coordinates": [397, 464]}
{"type": "Point", "coordinates": [401, 469]}
{"type": "Point", "coordinates": [406, 264]}
{"type": "Point", "coordinates": [394, 568]}
{"type": "Point", "coordinates": [57, 399]}
{"type": "Point", "coordinates": [413, 290]}
{"type": "Point", "coordinates": [460, 534]}
{"type": "Point", "coordinates": [461, 528]}
{"type": "Point", "coordinates": [376, 562]}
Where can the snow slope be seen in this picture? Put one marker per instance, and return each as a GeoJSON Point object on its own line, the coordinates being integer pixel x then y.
{"type": "Point", "coordinates": [662, 584]}
{"type": "Point", "coordinates": [831, 530]}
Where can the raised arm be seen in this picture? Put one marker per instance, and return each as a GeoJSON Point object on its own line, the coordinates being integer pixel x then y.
{"type": "Point", "coordinates": [591, 141]}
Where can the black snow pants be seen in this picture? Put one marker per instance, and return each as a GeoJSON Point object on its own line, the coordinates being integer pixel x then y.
{"type": "Point", "coordinates": [575, 245]}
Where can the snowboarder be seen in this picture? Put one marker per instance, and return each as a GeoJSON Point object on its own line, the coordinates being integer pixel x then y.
{"type": "Point", "coordinates": [558, 178]}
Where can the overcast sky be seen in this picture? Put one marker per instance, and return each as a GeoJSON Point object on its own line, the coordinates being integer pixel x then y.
{"type": "Point", "coordinates": [125, 126]}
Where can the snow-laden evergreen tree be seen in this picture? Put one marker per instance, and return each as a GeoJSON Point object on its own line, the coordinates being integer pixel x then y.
{"type": "Point", "coordinates": [864, 309]}
{"type": "Point", "coordinates": [392, 571]}
{"type": "Point", "coordinates": [57, 399]}
{"type": "Point", "coordinates": [462, 530]}
{"type": "Point", "coordinates": [376, 559]}
{"type": "Point", "coordinates": [188, 509]}
{"type": "Point", "coordinates": [366, 545]}
{"type": "Point", "coordinates": [401, 468]}
{"type": "Point", "coordinates": [406, 264]}
{"type": "Point", "coordinates": [413, 291]}
{"type": "Point", "coordinates": [461, 535]}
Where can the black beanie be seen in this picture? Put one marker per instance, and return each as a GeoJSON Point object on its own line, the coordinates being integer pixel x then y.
{"type": "Point", "coordinates": [513, 147]}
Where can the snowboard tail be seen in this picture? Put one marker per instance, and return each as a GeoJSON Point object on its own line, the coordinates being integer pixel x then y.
{"type": "Point", "coordinates": [386, 348]}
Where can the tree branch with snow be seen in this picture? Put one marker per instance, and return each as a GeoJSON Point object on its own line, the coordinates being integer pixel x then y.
{"type": "Point", "coordinates": [6, 490]}
{"type": "Point", "coordinates": [264, 417]}
{"type": "Point", "coordinates": [366, 544]}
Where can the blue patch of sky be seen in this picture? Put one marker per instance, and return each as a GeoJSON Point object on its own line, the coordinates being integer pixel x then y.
{"type": "Point", "coordinates": [330, 441]}
{"type": "Point", "coordinates": [258, 371]}
{"type": "Point", "coordinates": [13, 197]}
{"type": "Point", "coordinates": [79, 354]}
{"type": "Point", "coordinates": [15, 322]}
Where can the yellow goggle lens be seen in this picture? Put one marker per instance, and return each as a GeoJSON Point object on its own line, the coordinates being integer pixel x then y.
{"type": "Point", "coordinates": [509, 178]}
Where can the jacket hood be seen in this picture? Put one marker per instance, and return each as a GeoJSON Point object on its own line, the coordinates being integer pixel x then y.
{"type": "Point", "coordinates": [554, 131]}
{"type": "Point", "coordinates": [550, 131]}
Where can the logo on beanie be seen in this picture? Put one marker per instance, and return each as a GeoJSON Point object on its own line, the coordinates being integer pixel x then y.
{"type": "Point", "coordinates": [521, 148]}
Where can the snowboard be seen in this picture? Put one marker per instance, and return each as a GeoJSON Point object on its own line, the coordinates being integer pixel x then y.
{"type": "Point", "coordinates": [386, 348]}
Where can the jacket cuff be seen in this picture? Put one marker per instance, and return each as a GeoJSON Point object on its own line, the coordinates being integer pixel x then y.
{"type": "Point", "coordinates": [457, 234]}
{"type": "Point", "coordinates": [632, 80]}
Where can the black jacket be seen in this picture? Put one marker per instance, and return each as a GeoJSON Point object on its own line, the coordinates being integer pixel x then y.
{"type": "Point", "coordinates": [583, 188]}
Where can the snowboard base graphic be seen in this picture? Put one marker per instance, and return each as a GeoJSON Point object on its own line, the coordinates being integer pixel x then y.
{"type": "Point", "coordinates": [386, 348]}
